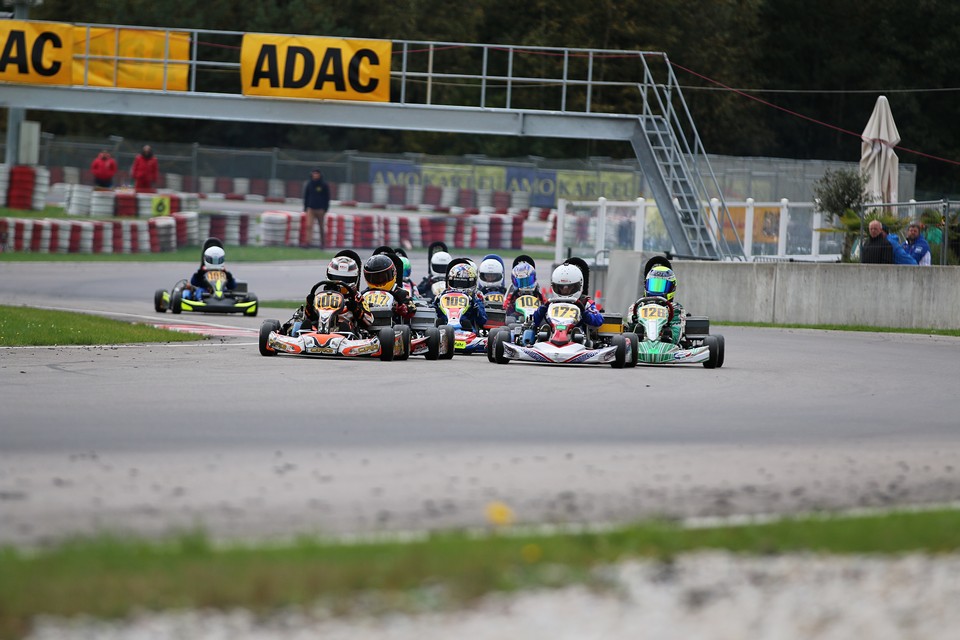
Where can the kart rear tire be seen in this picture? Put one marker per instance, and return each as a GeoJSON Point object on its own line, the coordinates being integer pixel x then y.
{"type": "Point", "coordinates": [175, 297]}
{"type": "Point", "coordinates": [158, 304]}
{"type": "Point", "coordinates": [720, 357]}
{"type": "Point", "coordinates": [713, 344]}
{"type": "Point", "coordinates": [634, 349]}
{"type": "Point", "coordinates": [498, 355]}
{"type": "Point", "coordinates": [388, 341]}
{"type": "Point", "coordinates": [256, 307]}
{"type": "Point", "coordinates": [451, 337]}
{"type": "Point", "coordinates": [620, 355]}
{"type": "Point", "coordinates": [265, 328]}
{"type": "Point", "coordinates": [405, 339]}
{"type": "Point", "coordinates": [433, 343]}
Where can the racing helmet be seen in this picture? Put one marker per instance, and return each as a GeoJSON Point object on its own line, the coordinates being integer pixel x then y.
{"type": "Point", "coordinates": [462, 276]}
{"type": "Point", "coordinates": [380, 272]}
{"type": "Point", "coordinates": [660, 282]}
{"type": "Point", "coordinates": [524, 276]}
{"type": "Point", "coordinates": [214, 259]}
{"type": "Point", "coordinates": [344, 269]}
{"type": "Point", "coordinates": [567, 281]}
{"type": "Point", "coordinates": [439, 262]}
{"type": "Point", "coordinates": [406, 267]}
{"type": "Point", "coordinates": [490, 274]}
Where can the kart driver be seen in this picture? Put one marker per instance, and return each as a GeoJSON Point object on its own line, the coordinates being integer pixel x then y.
{"type": "Point", "coordinates": [407, 283]}
{"type": "Point", "coordinates": [463, 278]}
{"type": "Point", "coordinates": [660, 282]}
{"type": "Point", "coordinates": [214, 259]}
{"type": "Point", "coordinates": [490, 276]}
{"type": "Point", "coordinates": [567, 284]}
{"type": "Point", "coordinates": [343, 276]}
{"type": "Point", "coordinates": [380, 273]}
{"type": "Point", "coordinates": [524, 278]}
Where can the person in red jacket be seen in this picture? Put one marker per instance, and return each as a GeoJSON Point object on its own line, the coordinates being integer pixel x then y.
{"type": "Point", "coordinates": [103, 167]}
{"type": "Point", "coordinates": [145, 171]}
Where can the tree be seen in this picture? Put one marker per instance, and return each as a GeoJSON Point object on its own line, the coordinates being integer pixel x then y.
{"type": "Point", "coordinates": [842, 195]}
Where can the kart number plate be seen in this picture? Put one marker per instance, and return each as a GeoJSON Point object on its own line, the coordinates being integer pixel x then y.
{"type": "Point", "coordinates": [454, 301]}
{"type": "Point", "coordinates": [652, 311]}
{"type": "Point", "coordinates": [215, 276]}
{"type": "Point", "coordinates": [329, 301]}
{"type": "Point", "coordinates": [493, 298]}
{"type": "Point", "coordinates": [563, 311]}
{"type": "Point", "coordinates": [527, 302]}
{"type": "Point", "coordinates": [377, 300]}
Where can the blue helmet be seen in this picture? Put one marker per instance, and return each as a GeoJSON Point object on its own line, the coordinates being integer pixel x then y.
{"type": "Point", "coordinates": [524, 276]}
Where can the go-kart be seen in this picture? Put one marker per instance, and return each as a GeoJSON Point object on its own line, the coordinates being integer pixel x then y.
{"type": "Point", "coordinates": [424, 340]}
{"type": "Point", "coordinates": [561, 341]}
{"type": "Point", "coordinates": [218, 299]}
{"type": "Point", "coordinates": [330, 337]}
{"type": "Point", "coordinates": [696, 342]}
{"type": "Point", "coordinates": [522, 332]}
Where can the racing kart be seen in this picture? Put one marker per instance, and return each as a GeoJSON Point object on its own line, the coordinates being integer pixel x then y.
{"type": "Point", "coordinates": [423, 339]}
{"type": "Point", "coordinates": [454, 304]}
{"type": "Point", "coordinates": [218, 299]}
{"type": "Point", "coordinates": [329, 338]}
{"type": "Point", "coordinates": [559, 340]}
{"type": "Point", "coordinates": [696, 342]}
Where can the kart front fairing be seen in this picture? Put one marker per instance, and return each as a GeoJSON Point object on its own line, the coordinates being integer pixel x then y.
{"type": "Point", "coordinates": [569, 353]}
{"type": "Point", "coordinates": [325, 344]}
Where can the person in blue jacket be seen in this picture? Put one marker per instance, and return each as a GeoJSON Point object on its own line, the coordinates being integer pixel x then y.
{"type": "Point", "coordinates": [900, 255]}
{"type": "Point", "coordinates": [463, 277]}
{"type": "Point", "coordinates": [916, 245]}
{"type": "Point", "coordinates": [567, 285]}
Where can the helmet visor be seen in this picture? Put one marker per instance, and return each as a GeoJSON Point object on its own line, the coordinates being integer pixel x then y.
{"type": "Point", "coordinates": [566, 289]}
{"type": "Point", "coordinates": [490, 278]}
{"type": "Point", "coordinates": [381, 278]}
{"type": "Point", "coordinates": [657, 286]}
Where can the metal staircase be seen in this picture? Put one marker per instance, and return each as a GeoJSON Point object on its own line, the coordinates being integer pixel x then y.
{"type": "Point", "coordinates": [455, 88]}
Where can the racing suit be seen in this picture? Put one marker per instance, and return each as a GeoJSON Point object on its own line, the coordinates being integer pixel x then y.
{"type": "Point", "coordinates": [425, 288]}
{"type": "Point", "coordinates": [473, 320]}
{"type": "Point", "coordinates": [199, 284]}
{"type": "Point", "coordinates": [354, 316]}
{"type": "Point", "coordinates": [672, 331]}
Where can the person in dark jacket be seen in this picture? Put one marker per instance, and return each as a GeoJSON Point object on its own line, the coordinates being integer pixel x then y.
{"type": "Point", "coordinates": [103, 168]}
{"type": "Point", "coordinates": [316, 201]}
{"type": "Point", "coordinates": [877, 249]}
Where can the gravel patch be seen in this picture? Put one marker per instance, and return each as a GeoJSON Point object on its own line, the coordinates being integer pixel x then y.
{"type": "Point", "coordinates": [709, 595]}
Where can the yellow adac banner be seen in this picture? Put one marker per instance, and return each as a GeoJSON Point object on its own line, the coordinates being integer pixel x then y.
{"type": "Point", "coordinates": [109, 57]}
{"type": "Point", "coordinates": [35, 52]}
{"type": "Point", "coordinates": [311, 67]}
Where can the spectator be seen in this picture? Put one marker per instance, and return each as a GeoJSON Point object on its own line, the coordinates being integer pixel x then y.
{"type": "Point", "coordinates": [900, 255]}
{"type": "Point", "coordinates": [877, 249]}
{"type": "Point", "coordinates": [103, 167]}
{"type": "Point", "coordinates": [316, 201]}
{"type": "Point", "coordinates": [916, 245]}
{"type": "Point", "coordinates": [145, 171]}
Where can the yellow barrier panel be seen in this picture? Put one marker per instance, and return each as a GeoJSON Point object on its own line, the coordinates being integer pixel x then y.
{"type": "Point", "coordinates": [310, 67]}
{"type": "Point", "coordinates": [35, 52]}
{"type": "Point", "coordinates": [99, 60]}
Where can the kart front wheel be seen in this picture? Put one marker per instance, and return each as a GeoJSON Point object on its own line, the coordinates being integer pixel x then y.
{"type": "Point", "coordinates": [175, 297]}
{"type": "Point", "coordinates": [266, 327]}
{"type": "Point", "coordinates": [634, 349]}
{"type": "Point", "coordinates": [158, 304]}
{"type": "Point", "coordinates": [433, 343]}
{"type": "Point", "coordinates": [388, 341]}
{"type": "Point", "coordinates": [450, 337]}
{"type": "Point", "coordinates": [714, 345]}
{"type": "Point", "coordinates": [252, 309]}
{"type": "Point", "coordinates": [405, 340]}
{"type": "Point", "coordinates": [620, 355]}
{"type": "Point", "coordinates": [491, 338]}
{"type": "Point", "coordinates": [497, 349]}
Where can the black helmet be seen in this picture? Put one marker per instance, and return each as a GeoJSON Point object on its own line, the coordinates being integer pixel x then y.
{"type": "Point", "coordinates": [380, 272]}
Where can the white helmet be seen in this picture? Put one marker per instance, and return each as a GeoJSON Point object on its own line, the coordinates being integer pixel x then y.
{"type": "Point", "coordinates": [490, 274]}
{"type": "Point", "coordinates": [439, 262]}
{"type": "Point", "coordinates": [214, 259]}
{"type": "Point", "coordinates": [344, 269]}
{"type": "Point", "coordinates": [567, 281]}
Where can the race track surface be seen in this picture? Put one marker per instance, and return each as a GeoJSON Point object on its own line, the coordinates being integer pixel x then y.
{"type": "Point", "coordinates": [160, 437]}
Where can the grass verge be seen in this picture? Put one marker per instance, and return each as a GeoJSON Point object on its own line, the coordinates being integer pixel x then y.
{"type": "Point", "coordinates": [110, 577]}
{"type": "Point", "coordinates": [26, 326]}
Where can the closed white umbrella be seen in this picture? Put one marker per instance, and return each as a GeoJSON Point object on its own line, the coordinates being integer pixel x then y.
{"type": "Point", "coordinates": [877, 157]}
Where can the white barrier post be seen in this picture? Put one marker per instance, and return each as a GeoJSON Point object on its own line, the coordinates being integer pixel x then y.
{"type": "Point", "coordinates": [815, 239]}
{"type": "Point", "coordinates": [748, 230]}
{"type": "Point", "coordinates": [561, 216]}
{"type": "Point", "coordinates": [784, 222]}
{"type": "Point", "coordinates": [639, 224]}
